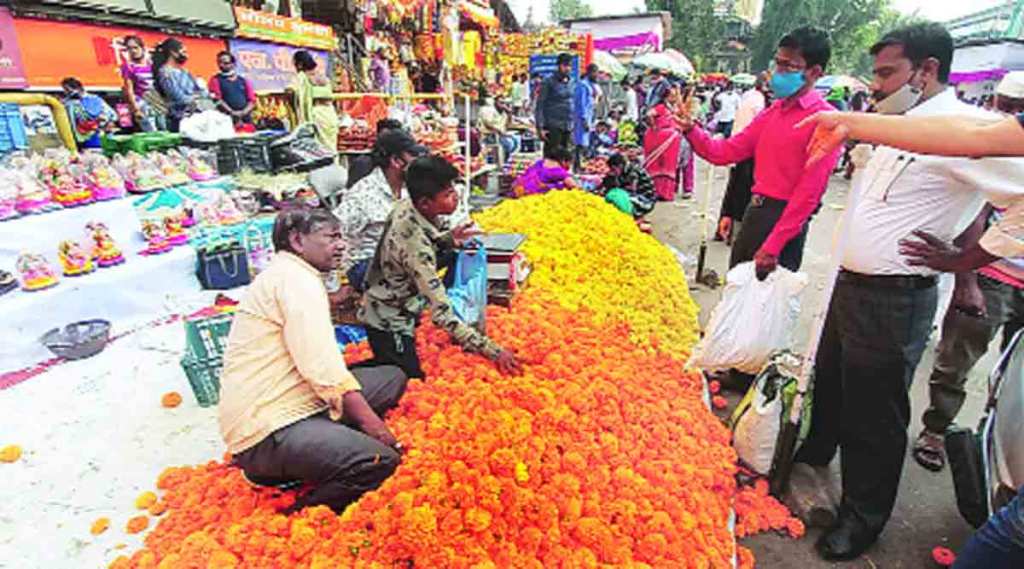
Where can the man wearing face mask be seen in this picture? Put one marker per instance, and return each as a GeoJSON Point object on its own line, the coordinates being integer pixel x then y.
{"type": "Point", "coordinates": [364, 209]}
{"type": "Point", "coordinates": [883, 306]}
{"type": "Point", "coordinates": [786, 192]}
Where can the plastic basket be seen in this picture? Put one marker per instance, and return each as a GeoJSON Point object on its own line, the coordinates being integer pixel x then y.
{"type": "Point", "coordinates": [207, 338]}
{"type": "Point", "coordinates": [346, 334]}
{"type": "Point", "coordinates": [204, 377]}
{"type": "Point", "coordinates": [12, 129]}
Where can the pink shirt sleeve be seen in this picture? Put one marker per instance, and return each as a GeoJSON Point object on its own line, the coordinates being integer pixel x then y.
{"type": "Point", "coordinates": [721, 152]}
{"type": "Point", "coordinates": [805, 199]}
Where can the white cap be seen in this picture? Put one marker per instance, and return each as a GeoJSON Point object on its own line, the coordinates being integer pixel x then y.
{"type": "Point", "coordinates": [1012, 85]}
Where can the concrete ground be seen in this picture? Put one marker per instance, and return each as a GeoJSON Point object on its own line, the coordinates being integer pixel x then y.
{"type": "Point", "coordinates": [926, 515]}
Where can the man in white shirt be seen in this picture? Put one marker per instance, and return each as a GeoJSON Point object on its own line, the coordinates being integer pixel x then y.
{"type": "Point", "coordinates": [632, 103]}
{"type": "Point", "coordinates": [741, 176]}
{"type": "Point", "coordinates": [728, 102]}
{"type": "Point", "coordinates": [882, 308]}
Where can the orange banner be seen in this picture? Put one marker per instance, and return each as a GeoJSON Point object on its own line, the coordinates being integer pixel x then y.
{"type": "Point", "coordinates": [54, 50]}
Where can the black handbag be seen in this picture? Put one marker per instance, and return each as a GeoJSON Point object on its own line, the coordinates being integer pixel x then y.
{"type": "Point", "coordinates": [223, 267]}
{"type": "Point", "coordinates": [963, 449]}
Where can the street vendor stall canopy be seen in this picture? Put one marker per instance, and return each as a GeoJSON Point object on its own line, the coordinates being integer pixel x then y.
{"type": "Point", "coordinates": [669, 61]}
{"type": "Point", "coordinates": [191, 17]}
{"type": "Point", "coordinates": [986, 61]}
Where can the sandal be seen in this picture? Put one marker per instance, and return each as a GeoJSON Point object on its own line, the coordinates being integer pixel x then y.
{"type": "Point", "coordinates": [929, 450]}
{"type": "Point", "coordinates": [7, 282]}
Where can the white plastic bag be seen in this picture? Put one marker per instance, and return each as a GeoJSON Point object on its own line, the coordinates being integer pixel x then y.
{"type": "Point", "coordinates": [753, 320]}
{"type": "Point", "coordinates": [207, 126]}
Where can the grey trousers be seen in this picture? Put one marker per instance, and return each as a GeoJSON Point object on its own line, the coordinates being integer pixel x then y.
{"type": "Point", "coordinates": [965, 339]}
{"type": "Point", "coordinates": [337, 459]}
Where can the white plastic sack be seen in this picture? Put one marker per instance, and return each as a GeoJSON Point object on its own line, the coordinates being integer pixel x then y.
{"type": "Point", "coordinates": [757, 431]}
{"type": "Point", "coordinates": [753, 320]}
{"type": "Point", "coordinates": [207, 126]}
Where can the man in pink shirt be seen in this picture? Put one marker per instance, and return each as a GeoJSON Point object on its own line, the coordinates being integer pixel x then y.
{"type": "Point", "coordinates": [786, 192]}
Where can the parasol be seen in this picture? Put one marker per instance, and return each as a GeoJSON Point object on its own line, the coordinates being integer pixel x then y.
{"type": "Point", "coordinates": [607, 63]}
{"type": "Point", "coordinates": [829, 82]}
{"type": "Point", "coordinates": [743, 79]}
{"type": "Point", "coordinates": [674, 62]}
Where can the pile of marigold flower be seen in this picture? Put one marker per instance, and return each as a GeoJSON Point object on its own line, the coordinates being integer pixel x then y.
{"type": "Point", "coordinates": [588, 254]}
{"type": "Point", "coordinates": [600, 454]}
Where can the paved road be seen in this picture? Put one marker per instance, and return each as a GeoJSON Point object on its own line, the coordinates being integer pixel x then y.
{"type": "Point", "coordinates": [926, 514]}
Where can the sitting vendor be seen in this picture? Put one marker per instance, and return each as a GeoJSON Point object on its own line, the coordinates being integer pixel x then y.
{"type": "Point", "coordinates": [289, 408]}
{"type": "Point", "coordinates": [403, 277]}
{"type": "Point", "coordinates": [628, 176]}
{"type": "Point", "coordinates": [602, 143]}
{"type": "Point", "coordinates": [549, 173]}
{"type": "Point", "coordinates": [365, 207]}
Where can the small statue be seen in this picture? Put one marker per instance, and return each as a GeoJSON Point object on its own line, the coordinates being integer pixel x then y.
{"type": "Point", "coordinates": [227, 212]}
{"type": "Point", "coordinates": [32, 196]}
{"type": "Point", "coordinates": [156, 238]}
{"type": "Point", "coordinates": [104, 251]}
{"type": "Point", "coordinates": [73, 258]}
{"type": "Point", "coordinates": [36, 273]}
{"type": "Point", "coordinates": [174, 226]}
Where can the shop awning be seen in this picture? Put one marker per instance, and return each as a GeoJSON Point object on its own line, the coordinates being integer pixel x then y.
{"type": "Point", "coordinates": [480, 15]}
{"type": "Point", "coordinates": [192, 17]}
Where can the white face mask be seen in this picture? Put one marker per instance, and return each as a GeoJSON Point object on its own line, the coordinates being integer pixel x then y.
{"type": "Point", "coordinates": [901, 101]}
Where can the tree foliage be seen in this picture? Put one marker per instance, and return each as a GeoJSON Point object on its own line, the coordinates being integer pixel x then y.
{"type": "Point", "coordinates": [569, 9]}
{"type": "Point", "coordinates": [696, 30]}
{"type": "Point", "coordinates": [853, 25]}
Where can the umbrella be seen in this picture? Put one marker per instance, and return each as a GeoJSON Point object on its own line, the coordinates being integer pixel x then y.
{"type": "Point", "coordinates": [609, 64]}
{"type": "Point", "coordinates": [681, 60]}
{"type": "Point", "coordinates": [665, 62]}
{"type": "Point", "coordinates": [743, 79]}
{"type": "Point", "coordinates": [827, 82]}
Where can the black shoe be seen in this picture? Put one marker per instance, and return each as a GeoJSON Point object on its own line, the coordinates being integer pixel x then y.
{"type": "Point", "coordinates": [845, 541]}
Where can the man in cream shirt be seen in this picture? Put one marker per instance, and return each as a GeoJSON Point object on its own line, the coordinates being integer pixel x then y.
{"type": "Point", "coordinates": [882, 308]}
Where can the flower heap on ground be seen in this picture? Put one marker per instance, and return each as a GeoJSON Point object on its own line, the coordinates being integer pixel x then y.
{"type": "Point", "coordinates": [600, 454]}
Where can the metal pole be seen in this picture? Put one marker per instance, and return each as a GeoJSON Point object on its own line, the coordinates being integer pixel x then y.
{"type": "Point", "coordinates": [469, 148]}
{"type": "Point", "coordinates": [702, 255]}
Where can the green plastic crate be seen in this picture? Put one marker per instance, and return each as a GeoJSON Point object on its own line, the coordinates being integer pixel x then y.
{"type": "Point", "coordinates": [207, 338]}
{"type": "Point", "coordinates": [204, 377]}
{"type": "Point", "coordinates": [152, 141]}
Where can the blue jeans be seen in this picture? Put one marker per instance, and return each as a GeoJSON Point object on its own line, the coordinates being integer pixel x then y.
{"type": "Point", "coordinates": [999, 544]}
{"type": "Point", "coordinates": [509, 145]}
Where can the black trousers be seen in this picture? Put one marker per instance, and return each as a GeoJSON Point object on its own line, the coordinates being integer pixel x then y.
{"type": "Point", "coordinates": [339, 460]}
{"type": "Point", "coordinates": [393, 348]}
{"type": "Point", "coordinates": [559, 137]}
{"type": "Point", "coordinates": [874, 335]}
{"type": "Point", "coordinates": [737, 193]}
{"type": "Point", "coordinates": [758, 221]}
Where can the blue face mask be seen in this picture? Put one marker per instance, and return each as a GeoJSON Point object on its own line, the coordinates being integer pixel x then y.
{"type": "Point", "coordinates": [786, 84]}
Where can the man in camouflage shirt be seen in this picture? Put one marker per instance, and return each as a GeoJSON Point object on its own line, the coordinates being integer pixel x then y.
{"type": "Point", "coordinates": [403, 280]}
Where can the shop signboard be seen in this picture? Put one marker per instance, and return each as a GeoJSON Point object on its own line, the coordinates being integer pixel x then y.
{"type": "Point", "coordinates": [269, 66]}
{"type": "Point", "coordinates": [547, 64]}
{"type": "Point", "coordinates": [94, 53]}
{"type": "Point", "coordinates": [254, 24]}
{"type": "Point", "coordinates": [12, 74]}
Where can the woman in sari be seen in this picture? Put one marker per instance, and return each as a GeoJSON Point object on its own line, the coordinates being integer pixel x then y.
{"type": "Point", "coordinates": [313, 103]}
{"type": "Point", "coordinates": [549, 173]}
{"type": "Point", "coordinates": [662, 143]}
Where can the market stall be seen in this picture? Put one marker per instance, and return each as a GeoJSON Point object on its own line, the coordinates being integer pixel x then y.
{"type": "Point", "coordinates": [978, 67]}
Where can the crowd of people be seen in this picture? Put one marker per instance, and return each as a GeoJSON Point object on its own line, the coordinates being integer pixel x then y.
{"type": "Point", "coordinates": [291, 410]}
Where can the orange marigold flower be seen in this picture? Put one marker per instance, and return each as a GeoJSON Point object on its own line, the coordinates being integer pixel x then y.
{"type": "Point", "coordinates": [99, 526]}
{"type": "Point", "coordinates": [10, 453]}
{"type": "Point", "coordinates": [157, 508]}
{"type": "Point", "coordinates": [145, 500]}
{"type": "Point", "coordinates": [171, 399]}
{"type": "Point", "coordinates": [137, 524]}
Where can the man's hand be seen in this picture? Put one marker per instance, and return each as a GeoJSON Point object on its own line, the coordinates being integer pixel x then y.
{"type": "Point", "coordinates": [830, 133]}
{"type": "Point", "coordinates": [930, 251]}
{"type": "Point", "coordinates": [359, 412]}
{"type": "Point", "coordinates": [764, 264]}
{"type": "Point", "coordinates": [463, 233]}
{"type": "Point", "coordinates": [967, 296]}
{"type": "Point", "coordinates": [542, 134]}
{"type": "Point", "coordinates": [508, 364]}
{"type": "Point", "coordinates": [724, 227]}
{"type": "Point", "coordinates": [382, 433]}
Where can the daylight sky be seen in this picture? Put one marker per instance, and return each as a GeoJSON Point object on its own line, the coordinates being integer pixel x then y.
{"type": "Point", "coordinates": [938, 10]}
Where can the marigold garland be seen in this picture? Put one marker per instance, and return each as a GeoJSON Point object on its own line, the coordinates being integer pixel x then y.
{"type": "Point", "coordinates": [599, 454]}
